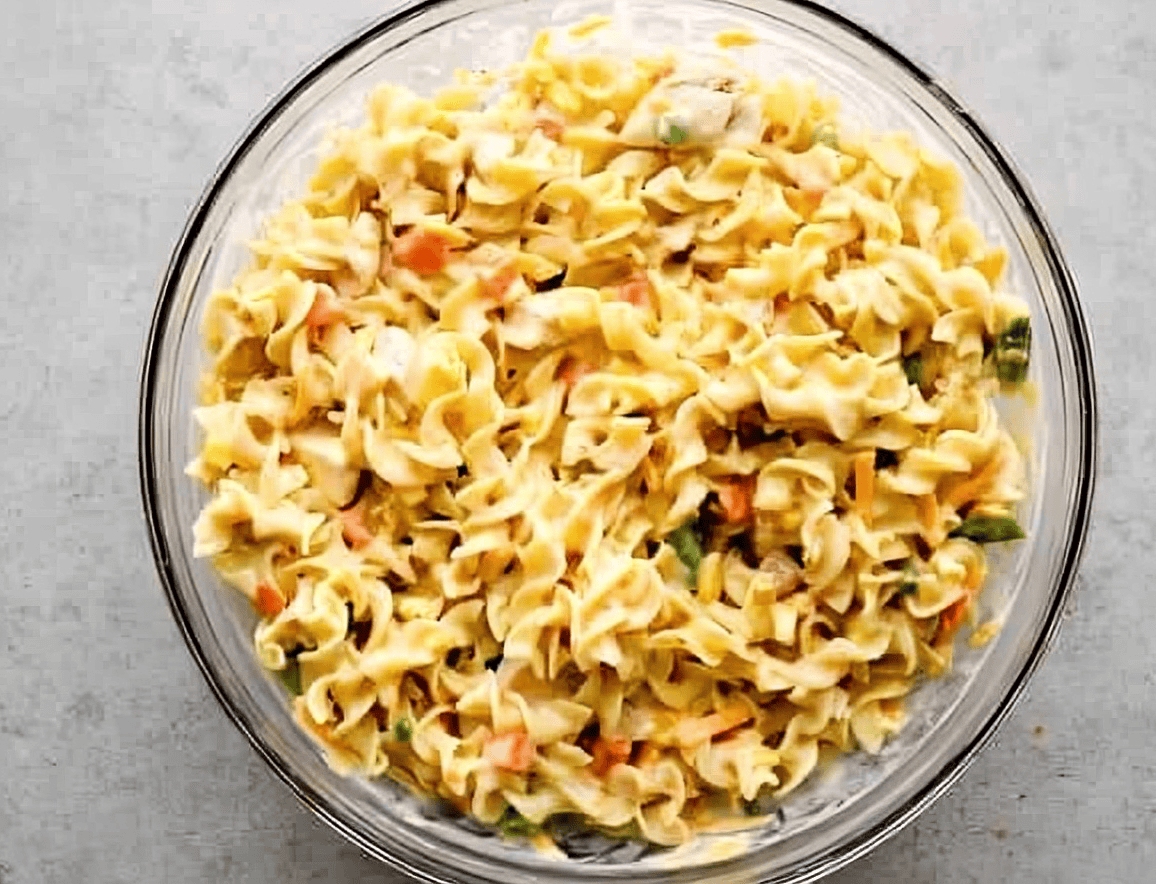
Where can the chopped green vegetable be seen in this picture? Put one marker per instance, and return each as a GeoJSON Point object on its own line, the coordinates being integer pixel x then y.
{"type": "Point", "coordinates": [403, 730]}
{"type": "Point", "coordinates": [1011, 371]}
{"type": "Point", "coordinates": [291, 677]}
{"type": "Point", "coordinates": [1017, 335]}
{"type": "Point", "coordinates": [671, 129]}
{"type": "Point", "coordinates": [913, 369]}
{"type": "Point", "coordinates": [763, 804]}
{"type": "Point", "coordinates": [989, 529]}
{"type": "Point", "coordinates": [676, 134]}
{"type": "Point", "coordinates": [514, 825]}
{"type": "Point", "coordinates": [825, 134]}
{"type": "Point", "coordinates": [1011, 351]}
{"type": "Point", "coordinates": [909, 585]}
{"type": "Point", "coordinates": [688, 548]}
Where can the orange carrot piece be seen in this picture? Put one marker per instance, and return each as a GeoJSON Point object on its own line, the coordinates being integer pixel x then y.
{"type": "Point", "coordinates": [354, 529]}
{"type": "Point", "coordinates": [572, 370]}
{"type": "Point", "coordinates": [496, 286]}
{"type": "Point", "coordinates": [782, 309]}
{"type": "Point", "coordinates": [699, 730]}
{"type": "Point", "coordinates": [422, 251]}
{"type": "Point", "coordinates": [324, 312]}
{"type": "Point", "coordinates": [511, 751]}
{"type": "Point", "coordinates": [323, 732]}
{"type": "Point", "coordinates": [268, 602]}
{"type": "Point", "coordinates": [609, 751]}
{"type": "Point", "coordinates": [737, 498]}
{"type": "Point", "coordinates": [952, 616]}
{"type": "Point", "coordinates": [974, 486]}
{"type": "Point", "coordinates": [865, 483]}
{"type": "Point", "coordinates": [636, 291]}
{"type": "Point", "coordinates": [552, 129]}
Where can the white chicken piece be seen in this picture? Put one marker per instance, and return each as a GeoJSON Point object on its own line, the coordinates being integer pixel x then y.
{"type": "Point", "coordinates": [393, 350]}
{"type": "Point", "coordinates": [693, 110]}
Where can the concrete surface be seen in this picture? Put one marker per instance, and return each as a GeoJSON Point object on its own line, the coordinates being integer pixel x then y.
{"type": "Point", "coordinates": [115, 763]}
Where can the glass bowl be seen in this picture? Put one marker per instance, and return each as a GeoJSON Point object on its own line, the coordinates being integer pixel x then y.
{"type": "Point", "coordinates": [859, 800]}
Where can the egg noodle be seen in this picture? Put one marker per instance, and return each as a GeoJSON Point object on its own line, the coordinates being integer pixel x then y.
{"type": "Point", "coordinates": [610, 438]}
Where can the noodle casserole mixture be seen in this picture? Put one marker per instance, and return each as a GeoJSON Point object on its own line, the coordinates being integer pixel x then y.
{"type": "Point", "coordinates": [610, 439]}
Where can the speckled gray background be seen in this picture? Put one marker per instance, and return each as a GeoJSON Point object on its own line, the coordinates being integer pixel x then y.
{"type": "Point", "coordinates": [115, 763]}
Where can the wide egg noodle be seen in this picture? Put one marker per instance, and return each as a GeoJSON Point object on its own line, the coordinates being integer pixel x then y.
{"type": "Point", "coordinates": [451, 497]}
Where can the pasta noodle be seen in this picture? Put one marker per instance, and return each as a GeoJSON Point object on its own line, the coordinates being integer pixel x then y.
{"type": "Point", "coordinates": [610, 438]}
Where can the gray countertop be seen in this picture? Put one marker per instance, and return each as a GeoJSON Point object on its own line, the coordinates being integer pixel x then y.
{"type": "Point", "coordinates": [116, 765]}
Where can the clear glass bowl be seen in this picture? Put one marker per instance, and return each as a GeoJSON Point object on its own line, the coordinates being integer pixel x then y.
{"type": "Point", "coordinates": [860, 800]}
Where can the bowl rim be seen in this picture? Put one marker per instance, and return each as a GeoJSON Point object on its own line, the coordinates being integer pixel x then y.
{"type": "Point", "coordinates": [1085, 440]}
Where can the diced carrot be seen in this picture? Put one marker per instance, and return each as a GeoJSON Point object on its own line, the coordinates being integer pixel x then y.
{"type": "Point", "coordinates": [865, 483]}
{"type": "Point", "coordinates": [737, 497]}
{"type": "Point", "coordinates": [974, 486]}
{"type": "Point", "coordinates": [636, 291]}
{"type": "Point", "coordinates": [511, 751]}
{"type": "Point", "coordinates": [952, 616]}
{"type": "Point", "coordinates": [323, 732]}
{"type": "Point", "coordinates": [422, 251]}
{"type": "Point", "coordinates": [692, 731]}
{"type": "Point", "coordinates": [551, 128]}
{"type": "Point", "coordinates": [353, 527]}
{"type": "Point", "coordinates": [609, 751]}
{"type": "Point", "coordinates": [268, 602]}
{"type": "Point", "coordinates": [496, 286]}
{"type": "Point", "coordinates": [325, 310]}
{"type": "Point", "coordinates": [572, 370]}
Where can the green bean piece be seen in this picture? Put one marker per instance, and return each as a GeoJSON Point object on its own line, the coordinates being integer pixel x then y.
{"type": "Point", "coordinates": [988, 529]}
{"type": "Point", "coordinates": [687, 547]}
{"type": "Point", "coordinates": [290, 676]}
{"type": "Point", "coordinates": [515, 825]}
{"type": "Point", "coordinates": [403, 730]}
{"type": "Point", "coordinates": [1012, 371]}
{"type": "Point", "coordinates": [913, 368]}
{"type": "Point", "coordinates": [763, 804]}
{"type": "Point", "coordinates": [1017, 335]}
{"type": "Point", "coordinates": [1012, 351]}
{"type": "Point", "coordinates": [909, 585]}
